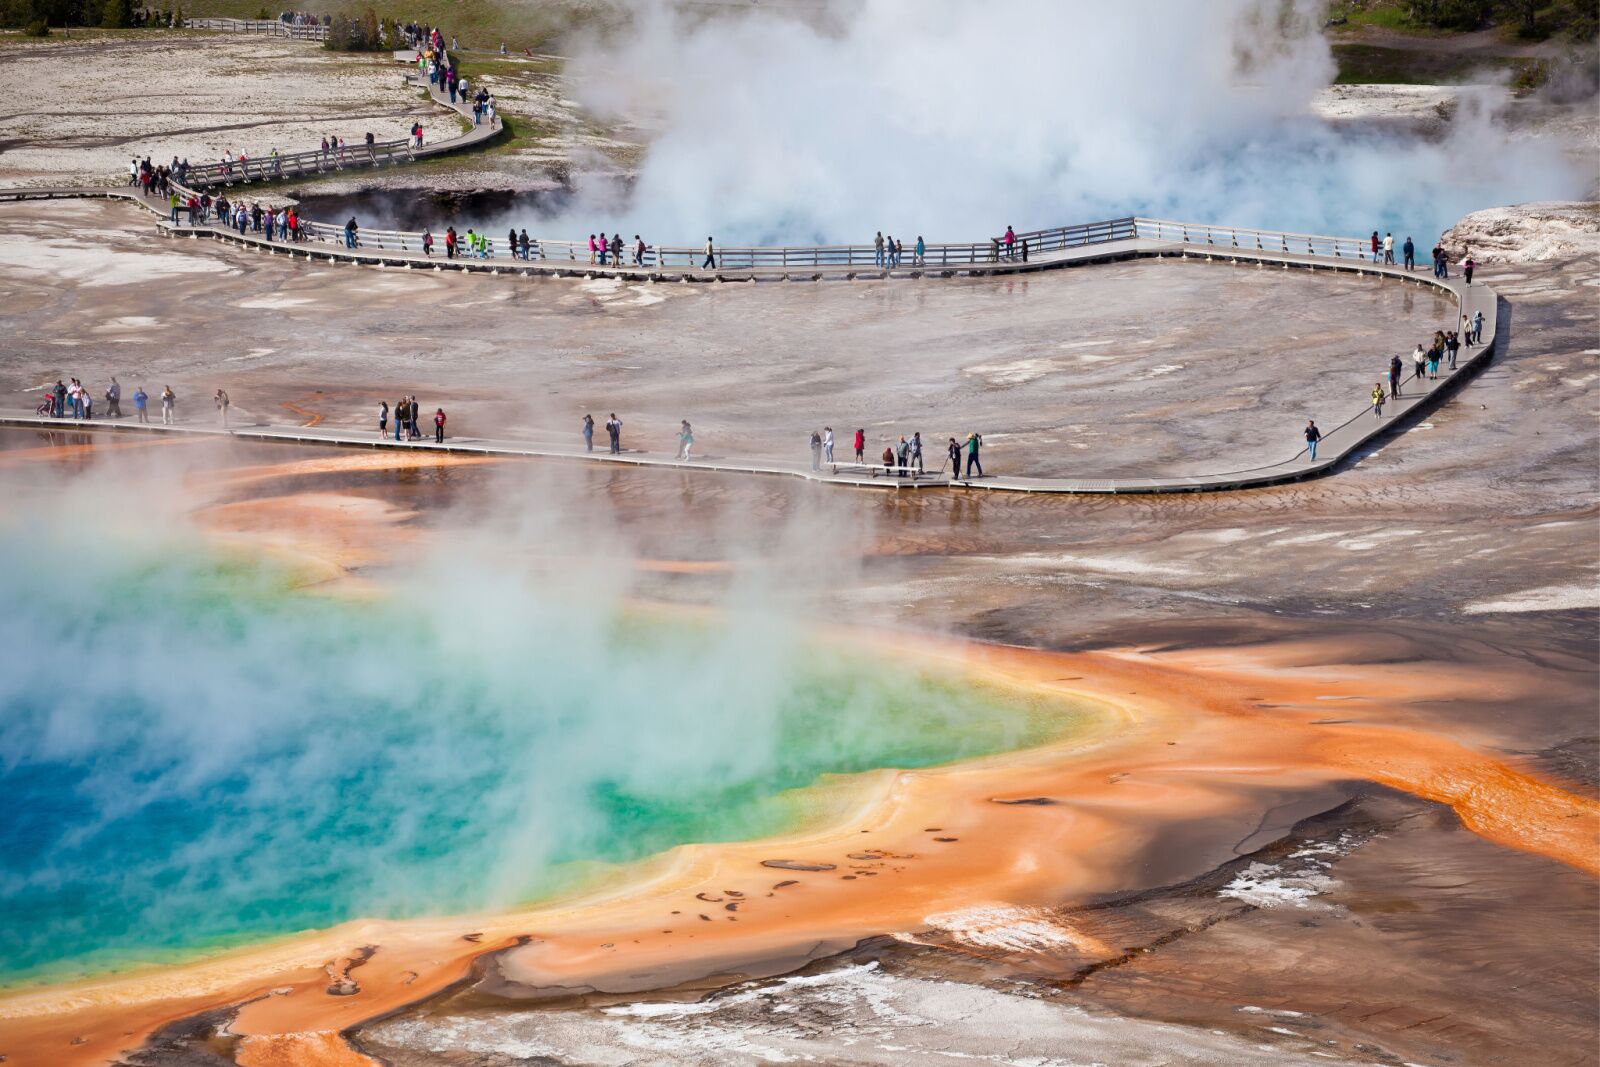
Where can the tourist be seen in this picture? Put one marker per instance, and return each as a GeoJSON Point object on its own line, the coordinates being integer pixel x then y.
{"type": "Point", "coordinates": [974, 442]}
{"type": "Point", "coordinates": [174, 201]}
{"type": "Point", "coordinates": [350, 232]}
{"type": "Point", "coordinates": [511, 242]}
{"type": "Point", "coordinates": [222, 405]}
{"type": "Point", "coordinates": [1467, 267]}
{"type": "Point", "coordinates": [916, 451]}
{"type": "Point", "coordinates": [1377, 400]}
{"type": "Point", "coordinates": [816, 451]}
{"type": "Point", "coordinates": [168, 399]}
{"type": "Point", "coordinates": [588, 433]}
{"type": "Point", "coordinates": [427, 249]}
{"type": "Point", "coordinates": [920, 255]}
{"type": "Point", "coordinates": [827, 443]}
{"type": "Point", "coordinates": [1452, 345]}
{"type": "Point", "coordinates": [450, 242]}
{"type": "Point", "coordinates": [1388, 249]}
{"type": "Point", "coordinates": [616, 250]}
{"type": "Point", "coordinates": [1396, 369]}
{"type": "Point", "coordinates": [383, 419]}
{"type": "Point", "coordinates": [604, 246]}
{"type": "Point", "coordinates": [75, 397]}
{"type": "Point", "coordinates": [399, 418]}
{"type": "Point", "coordinates": [524, 245]}
{"type": "Point", "coordinates": [902, 455]}
{"type": "Point", "coordinates": [114, 400]}
{"type": "Point", "coordinates": [86, 400]}
{"type": "Point", "coordinates": [888, 460]}
{"type": "Point", "coordinates": [414, 416]}
{"type": "Point", "coordinates": [614, 432]}
{"type": "Point", "coordinates": [1433, 362]}
{"type": "Point", "coordinates": [1313, 435]}
{"type": "Point", "coordinates": [711, 256]}
{"type": "Point", "coordinates": [1477, 327]}
{"type": "Point", "coordinates": [1375, 246]}
{"type": "Point", "coordinates": [141, 401]}
{"type": "Point", "coordinates": [438, 426]}
{"type": "Point", "coordinates": [591, 249]}
{"type": "Point", "coordinates": [1010, 240]}
{"type": "Point", "coordinates": [861, 446]}
{"type": "Point", "coordinates": [877, 250]}
{"type": "Point", "coordinates": [953, 450]}
{"type": "Point", "coordinates": [638, 250]}
{"type": "Point", "coordinates": [685, 440]}
{"type": "Point", "coordinates": [1419, 360]}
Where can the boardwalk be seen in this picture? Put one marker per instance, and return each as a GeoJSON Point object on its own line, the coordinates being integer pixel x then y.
{"type": "Point", "coordinates": [1350, 429]}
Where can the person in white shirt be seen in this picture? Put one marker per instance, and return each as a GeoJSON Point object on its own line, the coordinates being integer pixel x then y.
{"type": "Point", "coordinates": [827, 443]}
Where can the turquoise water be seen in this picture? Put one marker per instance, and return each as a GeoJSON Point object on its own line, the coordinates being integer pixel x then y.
{"type": "Point", "coordinates": [194, 756]}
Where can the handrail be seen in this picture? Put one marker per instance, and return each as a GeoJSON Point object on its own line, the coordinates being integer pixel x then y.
{"type": "Point", "coordinates": [260, 27]}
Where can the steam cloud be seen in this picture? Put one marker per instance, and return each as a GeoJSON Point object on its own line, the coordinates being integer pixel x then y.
{"type": "Point", "coordinates": [191, 754]}
{"type": "Point", "coordinates": [952, 119]}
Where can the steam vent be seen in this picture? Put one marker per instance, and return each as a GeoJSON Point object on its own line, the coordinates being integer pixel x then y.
{"type": "Point", "coordinates": [605, 534]}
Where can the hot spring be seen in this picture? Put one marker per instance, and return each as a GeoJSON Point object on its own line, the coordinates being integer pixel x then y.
{"type": "Point", "coordinates": [195, 754]}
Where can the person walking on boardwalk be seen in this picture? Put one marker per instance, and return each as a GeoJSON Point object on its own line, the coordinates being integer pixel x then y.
{"type": "Point", "coordinates": [1410, 252]}
{"type": "Point", "coordinates": [920, 253]}
{"type": "Point", "coordinates": [916, 451]}
{"type": "Point", "coordinates": [861, 446]}
{"type": "Point", "coordinates": [114, 400]}
{"type": "Point", "coordinates": [1452, 345]}
{"type": "Point", "coordinates": [1388, 249]}
{"type": "Point", "coordinates": [685, 440]}
{"type": "Point", "coordinates": [141, 402]}
{"type": "Point", "coordinates": [511, 242]}
{"type": "Point", "coordinates": [953, 450]}
{"type": "Point", "coordinates": [1433, 361]}
{"type": "Point", "coordinates": [816, 451]}
{"type": "Point", "coordinates": [169, 400]}
{"type": "Point", "coordinates": [1477, 327]}
{"type": "Point", "coordinates": [1376, 245]}
{"type": "Point", "coordinates": [877, 249]}
{"type": "Point", "coordinates": [1419, 360]}
{"type": "Point", "coordinates": [222, 405]}
{"type": "Point", "coordinates": [438, 426]}
{"type": "Point", "coordinates": [711, 256]}
{"type": "Point", "coordinates": [614, 432]}
{"type": "Point", "coordinates": [1313, 435]}
{"type": "Point", "coordinates": [638, 250]}
{"type": "Point", "coordinates": [588, 433]}
{"type": "Point", "coordinates": [450, 241]}
{"type": "Point", "coordinates": [827, 443]}
{"type": "Point", "coordinates": [1396, 369]}
{"type": "Point", "coordinates": [383, 419]}
{"type": "Point", "coordinates": [1467, 267]}
{"type": "Point", "coordinates": [974, 443]}
{"type": "Point", "coordinates": [1377, 399]}
{"type": "Point", "coordinates": [416, 417]}
{"type": "Point", "coordinates": [427, 248]}
{"type": "Point", "coordinates": [1010, 240]}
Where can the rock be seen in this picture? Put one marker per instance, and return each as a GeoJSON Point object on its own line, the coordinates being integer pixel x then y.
{"type": "Point", "coordinates": [797, 865]}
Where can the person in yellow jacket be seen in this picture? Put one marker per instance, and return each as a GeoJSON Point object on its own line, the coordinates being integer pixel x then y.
{"type": "Point", "coordinates": [1377, 400]}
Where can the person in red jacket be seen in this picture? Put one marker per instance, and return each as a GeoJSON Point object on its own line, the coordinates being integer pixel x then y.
{"type": "Point", "coordinates": [438, 426]}
{"type": "Point", "coordinates": [861, 445]}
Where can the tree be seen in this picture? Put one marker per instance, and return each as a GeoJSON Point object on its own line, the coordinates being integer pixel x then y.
{"type": "Point", "coordinates": [117, 14]}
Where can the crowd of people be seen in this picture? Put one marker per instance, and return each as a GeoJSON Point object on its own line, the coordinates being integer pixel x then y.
{"type": "Point", "coordinates": [407, 417]}
{"type": "Point", "coordinates": [890, 253]}
{"type": "Point", "coordinates": [1383, 252]}
{"type": "Point", "coordinates": [71, 399]}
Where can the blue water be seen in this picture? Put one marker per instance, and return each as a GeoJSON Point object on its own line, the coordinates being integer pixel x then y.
{"type": "Point", "coordinates": [192, 755]}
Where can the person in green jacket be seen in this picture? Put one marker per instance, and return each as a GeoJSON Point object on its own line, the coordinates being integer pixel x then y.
{"type": "Point", "coordinates": [174, 201]}
{"type": "Point", "coordinates": [974, 442]}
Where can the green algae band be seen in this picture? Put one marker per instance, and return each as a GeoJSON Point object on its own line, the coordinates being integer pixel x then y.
{"type": "Point", "coordinates": [204, 758]}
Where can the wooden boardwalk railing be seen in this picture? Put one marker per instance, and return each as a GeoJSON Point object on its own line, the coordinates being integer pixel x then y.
{"type": "Point", "coordinates": [261, 28]}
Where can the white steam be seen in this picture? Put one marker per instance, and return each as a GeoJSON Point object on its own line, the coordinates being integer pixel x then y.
{"type": "Point", "coordinates": [952, 119]}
